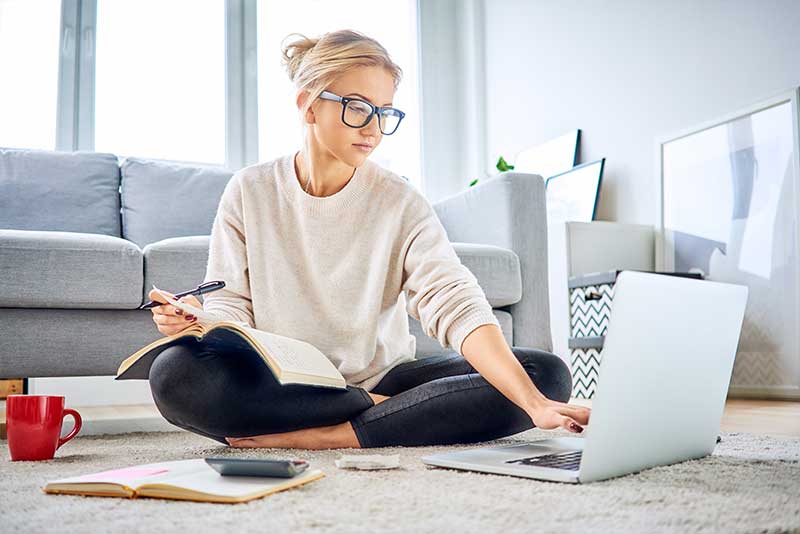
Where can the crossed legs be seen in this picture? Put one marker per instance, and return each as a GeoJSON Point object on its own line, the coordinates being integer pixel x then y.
{"type": "Point", "coordinates": [435, 400]}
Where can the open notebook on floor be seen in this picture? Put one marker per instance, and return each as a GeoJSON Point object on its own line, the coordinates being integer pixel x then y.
{"type": "Point", "coordinates": [187, 480]}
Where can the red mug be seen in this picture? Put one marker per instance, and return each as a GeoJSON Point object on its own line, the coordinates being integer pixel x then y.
{"type": "Point", "coordinates": [33, 426]}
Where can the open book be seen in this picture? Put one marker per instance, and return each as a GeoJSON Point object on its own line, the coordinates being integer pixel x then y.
{"type": "Point", "coordinates": [188, 480]}
{"type": "Point", "coordinates": [292, 361]}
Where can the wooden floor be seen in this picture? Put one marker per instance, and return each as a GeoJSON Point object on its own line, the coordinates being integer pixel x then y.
{"type": "Point", "coordinates": [762, 417]}
{"type": "Point", "coordinates": [780, 418]}
{"type": "Point", "coordinates": [777, 418]}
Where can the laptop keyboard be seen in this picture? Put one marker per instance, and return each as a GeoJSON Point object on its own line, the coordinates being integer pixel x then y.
{"type": "Point", "coordinates": [562, 460]}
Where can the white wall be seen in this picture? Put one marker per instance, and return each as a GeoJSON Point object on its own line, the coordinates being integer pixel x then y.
{"type": "Point", "coordinates": [627, 72]}
{"type": "Point", "coordinates": [93, 390]}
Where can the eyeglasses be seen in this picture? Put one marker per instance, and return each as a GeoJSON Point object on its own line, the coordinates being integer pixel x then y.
{"type": "Point", "coordinates": [356, 113]}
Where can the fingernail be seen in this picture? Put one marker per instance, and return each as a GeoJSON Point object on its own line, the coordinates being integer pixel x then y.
{"type": "Point", "coordinates": [179, 312]}
{"type": "Point", "coordinates": [190, 317]}
{"type": "Point", "coordinates": [576, 428]}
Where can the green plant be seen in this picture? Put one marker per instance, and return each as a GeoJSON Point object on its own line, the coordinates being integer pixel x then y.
{"type": "Point", "coordinates": [502, 166]}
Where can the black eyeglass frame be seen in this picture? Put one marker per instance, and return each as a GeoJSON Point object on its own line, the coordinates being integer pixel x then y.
{"type": "Point", "coordinates": [327, 95]}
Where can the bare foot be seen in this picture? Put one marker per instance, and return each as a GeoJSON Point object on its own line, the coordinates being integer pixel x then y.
{"type": "Point", "coordinates": [325, 437]}
{"type": "Point", "coordinates": [378, 398]}
{"type": "Point", "coordinates": [333, 436]}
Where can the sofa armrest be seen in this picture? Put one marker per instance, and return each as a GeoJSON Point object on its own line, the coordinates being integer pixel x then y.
{"type": "Point", "coordinates": [509, 211]}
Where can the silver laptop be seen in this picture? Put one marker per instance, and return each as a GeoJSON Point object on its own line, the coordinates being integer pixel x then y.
{"type": "Point", "coordinates": [663, 378]}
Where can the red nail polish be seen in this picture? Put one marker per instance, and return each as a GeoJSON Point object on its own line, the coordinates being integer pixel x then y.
{"type": "Point", "coordinates": [576, 428]}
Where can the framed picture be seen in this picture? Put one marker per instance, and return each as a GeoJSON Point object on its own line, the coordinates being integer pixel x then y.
{"type": "Point", "coordinates": [551, 157]}
{"type": "Point", "coordinates": [573, 195]}
{"type": "Point", "coordinates": [728, 207]}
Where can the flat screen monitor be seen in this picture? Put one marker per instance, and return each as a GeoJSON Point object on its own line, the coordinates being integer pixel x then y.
{"type": "Point", "coordinates": [573, 195]}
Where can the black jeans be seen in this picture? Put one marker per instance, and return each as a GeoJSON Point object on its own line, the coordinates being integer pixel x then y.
{"type": "Point", "coordinates": [434, 401]}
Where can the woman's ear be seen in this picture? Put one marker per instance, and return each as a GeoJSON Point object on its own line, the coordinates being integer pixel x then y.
{"type": "Point", "coordinates": [302, 97]}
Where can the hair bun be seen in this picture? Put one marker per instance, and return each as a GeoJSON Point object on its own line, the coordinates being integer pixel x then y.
{"type": "Point", "coordinates": [314, 63]}
{"type": "Point", "coordinates": [294, 52]}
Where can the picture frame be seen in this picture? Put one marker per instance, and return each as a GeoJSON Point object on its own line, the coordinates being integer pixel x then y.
{"type": "Point", "coordinates": [573, 195]}
{"type": "Point", "coordinates": [728, 206]}
{"type": "Point", "coordinates": [552, 157]}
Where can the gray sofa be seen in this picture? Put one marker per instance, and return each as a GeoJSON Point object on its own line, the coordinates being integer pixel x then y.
{"type": "Point", "coordinates": [84, 236]}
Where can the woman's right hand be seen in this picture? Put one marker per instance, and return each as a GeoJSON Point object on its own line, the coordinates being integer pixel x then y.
{"type": "Point", "coordinates": [169, 319]}
{"type": "Point", "coordinates": [551, 414]}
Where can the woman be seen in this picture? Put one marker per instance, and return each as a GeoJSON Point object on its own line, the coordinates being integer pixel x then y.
{"type": "Point", "coordinates": [324, 245]}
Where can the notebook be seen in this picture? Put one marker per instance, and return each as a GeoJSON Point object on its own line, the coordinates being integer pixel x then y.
{"type": "Point", "coordinates": [292, 361]}
{"type": "Point", "coordinates": [185, 480]}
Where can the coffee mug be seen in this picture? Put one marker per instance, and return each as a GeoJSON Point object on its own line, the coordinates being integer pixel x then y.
{"type": "Point", "coordinates": [33, 426]}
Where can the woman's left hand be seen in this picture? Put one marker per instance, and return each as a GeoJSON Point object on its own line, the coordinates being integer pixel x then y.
{"type": "Point", "coordinates": [553, 414]}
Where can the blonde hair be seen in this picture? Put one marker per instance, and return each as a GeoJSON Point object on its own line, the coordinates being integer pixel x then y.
{"type": "Point", "coordinates": [313, 63]}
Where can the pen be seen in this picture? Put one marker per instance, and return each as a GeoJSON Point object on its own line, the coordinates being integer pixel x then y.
{"type": "Point", "coordinates": [202, 289]}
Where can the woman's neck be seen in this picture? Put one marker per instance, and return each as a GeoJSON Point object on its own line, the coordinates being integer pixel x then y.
{"type": "Point", "coordinates": [329, 174]}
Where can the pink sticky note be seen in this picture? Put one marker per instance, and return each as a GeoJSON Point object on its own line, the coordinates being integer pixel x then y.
{"type": "Point", "coordinates": [128, 473]}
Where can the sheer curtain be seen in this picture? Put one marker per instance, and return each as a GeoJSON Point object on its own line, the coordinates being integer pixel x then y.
{"type": "Point", "coordinates": [29, 73]}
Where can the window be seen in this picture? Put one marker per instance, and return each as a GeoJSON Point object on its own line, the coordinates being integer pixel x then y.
{"type": "Point", "coordinates": [392, 23]}
{"type": "Point", "coordinates": [29, 33]}
{"type": "Point", "coordinates": [160, 79]}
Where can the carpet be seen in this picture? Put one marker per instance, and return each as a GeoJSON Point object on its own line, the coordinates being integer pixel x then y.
{"type": "Point", "coordinates": [751, 483]}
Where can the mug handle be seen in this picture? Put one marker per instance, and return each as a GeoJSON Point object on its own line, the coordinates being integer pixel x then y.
{"type": "Point", "coordinates": [77, 428]}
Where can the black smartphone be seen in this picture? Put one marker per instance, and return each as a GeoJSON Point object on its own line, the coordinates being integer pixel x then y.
{"type": "Point", "coordinates": [257, 467]}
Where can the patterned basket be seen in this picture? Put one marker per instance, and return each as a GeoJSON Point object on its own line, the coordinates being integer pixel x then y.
{"type": "Point", "coordinates": [590, 302]}
{"type": "Point", "coordinates": [585, 355]}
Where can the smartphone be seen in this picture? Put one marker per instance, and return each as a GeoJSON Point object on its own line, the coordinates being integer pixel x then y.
{"type": "Point", "coordinates": [257, 467]}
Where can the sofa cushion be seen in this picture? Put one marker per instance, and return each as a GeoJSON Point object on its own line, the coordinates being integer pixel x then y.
{"type": "Point", "coordinates": [43, 269]}
{"type": "Point", "coordinates": [59, 191]}
{"type": "Point", "coordinates": [162, 199]}
{"type": "Point", "coordinates": [175, 264]}
{"type": "Point", "coordinates": [497, 270]}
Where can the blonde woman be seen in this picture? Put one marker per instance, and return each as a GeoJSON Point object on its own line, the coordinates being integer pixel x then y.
{"type": "Point", "coordinates": [325, 246]}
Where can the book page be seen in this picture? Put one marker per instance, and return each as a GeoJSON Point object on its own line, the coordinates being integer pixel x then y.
{"type": "Point", "coordinates": [205, 479]}
{"type": "Point", "coordinates": [291, 355]}
{"type": "Point", "coordinates": [133, 476]}
{"type": "Point", "coordinates": [294, 355]}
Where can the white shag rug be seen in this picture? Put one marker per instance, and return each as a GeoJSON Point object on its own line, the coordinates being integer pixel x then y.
{"type": "Point", "coordinates": [751, 483]}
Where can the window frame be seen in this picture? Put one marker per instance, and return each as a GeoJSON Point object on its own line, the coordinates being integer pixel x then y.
{"type": "Point", "coordinates": [75, 123]}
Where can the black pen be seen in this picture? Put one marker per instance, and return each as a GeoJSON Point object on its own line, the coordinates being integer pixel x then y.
{"type": "Point", "coordinates": [208, 287]}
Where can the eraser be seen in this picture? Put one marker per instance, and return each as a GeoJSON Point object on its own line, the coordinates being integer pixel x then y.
{"type": "Point", "coordinates": [368, 461]}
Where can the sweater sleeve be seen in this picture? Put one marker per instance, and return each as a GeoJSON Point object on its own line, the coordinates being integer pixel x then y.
{"type": "Point", "coordinates": [442, 294]}
{"type": "Point", "coordinates": [227, 260]}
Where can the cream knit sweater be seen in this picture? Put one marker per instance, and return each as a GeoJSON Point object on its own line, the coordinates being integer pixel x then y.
{"type": "Point", "coordinates": [343, 271]}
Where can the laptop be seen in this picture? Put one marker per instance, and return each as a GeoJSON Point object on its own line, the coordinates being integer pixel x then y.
{"type": "Point", "coordinates": [663, 378]}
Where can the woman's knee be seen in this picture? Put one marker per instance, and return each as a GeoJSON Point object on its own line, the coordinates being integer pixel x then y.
{"type": "Point", "coordinates": [549, 372]}
{"type": "Point", "coordinates": [168, 374]}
